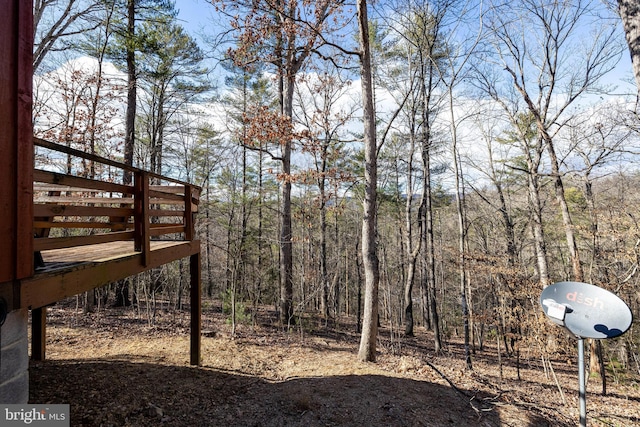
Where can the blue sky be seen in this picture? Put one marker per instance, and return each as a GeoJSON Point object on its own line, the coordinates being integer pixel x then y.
{"type": "Point", "coordinates": [195, 14]}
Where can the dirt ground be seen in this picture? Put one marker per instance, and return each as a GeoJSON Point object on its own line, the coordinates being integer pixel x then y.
{"type": "Point", "coordinates": [115, 369]}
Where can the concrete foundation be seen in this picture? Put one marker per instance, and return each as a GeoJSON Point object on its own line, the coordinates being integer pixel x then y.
{"type": "Point", "coordinates": [14, 359]}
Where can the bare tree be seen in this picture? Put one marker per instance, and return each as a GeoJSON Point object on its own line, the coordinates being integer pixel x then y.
{"type": "Point", "coordinates": [596, 140]}
{"type": "Point", "coordinates": [325, 122]}
{"type": "Point", "coordinates": [454, 69]}
{"type": "Point", "coordinates": [57, 21]}
{"type": "Point", "coordinates": [283, 34]}
{"type": "Point", "coordinates": [550, 66]}
{"type": "Point", "coordinates": [630, 13]}
{"type": "Point", "coordinates": [419, 31]}
{"type": "Point", "coordinates": [552, 72]}
{"type": "Point", "coordinates": [367, 351]}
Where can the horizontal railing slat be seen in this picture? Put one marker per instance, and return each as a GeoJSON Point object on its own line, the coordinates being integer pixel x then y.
{"type": "Point", "coordinates": [78, 200]}
{"type": "Point", "coordinates": [76, 181]}
{"type": "Point", "coordinates": [77, 153]}
{"type": "Point", "coordinates": [116, 226]}
{"type": "Point", "coordinates": [173, 189]}
{"type": "Point", "coordinates": [162, 195]}
{"type": "Point", "coordinates": [40, 187]}
{"type": "Point", "coordinates": [100, 200]}
{"type": "Point", "coordinates": [48, 243]}
{"type": "Point", "coordinates": [66, 210]}
{"type": "Point", "coordinates": [159, 231]}
{"type": "Point", "coordinates": [165, 212]}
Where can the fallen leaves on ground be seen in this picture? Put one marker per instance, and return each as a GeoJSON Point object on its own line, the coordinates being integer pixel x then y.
{"type": "Point", "coordinates": [122, 367]}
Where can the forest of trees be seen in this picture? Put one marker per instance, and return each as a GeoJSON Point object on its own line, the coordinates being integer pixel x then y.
{"type": "Point", "coordinates": [405, 162]}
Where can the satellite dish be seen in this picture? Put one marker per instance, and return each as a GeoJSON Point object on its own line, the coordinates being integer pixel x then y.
{"type": "Point", "coordinates": [587, 311]}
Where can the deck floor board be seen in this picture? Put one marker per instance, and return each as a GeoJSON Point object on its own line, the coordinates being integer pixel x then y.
{"type": "Point", "coordinates": [102, 252]}
{"type": "Point", "coordinates": [70, 271]}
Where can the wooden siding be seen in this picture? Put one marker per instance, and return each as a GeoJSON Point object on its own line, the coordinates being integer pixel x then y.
{"type": "Point", "coordinates": [16, 149]}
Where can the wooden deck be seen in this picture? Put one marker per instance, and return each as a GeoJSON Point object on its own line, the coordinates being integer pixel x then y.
{"type": "Point", "coordinates": [91, 228]}
{"type": "Point", "coordinates": [71, 271]}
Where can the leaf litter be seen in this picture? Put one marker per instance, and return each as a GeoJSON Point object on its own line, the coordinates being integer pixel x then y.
{"type": "Point", "coordinates": [116, 368]}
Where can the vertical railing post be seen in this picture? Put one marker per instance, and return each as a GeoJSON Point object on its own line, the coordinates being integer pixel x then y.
{"type": "Point", "coordinates": [189, 229]}
{"type": "Point", "coordinates": [141, 215]}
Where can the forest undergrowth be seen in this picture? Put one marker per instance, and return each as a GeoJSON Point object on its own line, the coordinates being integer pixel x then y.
{"type": "Point", "coordinates": [120, 367]}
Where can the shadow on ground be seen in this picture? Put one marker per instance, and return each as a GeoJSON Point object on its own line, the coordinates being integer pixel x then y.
{"type": "Point", "coordinates": [121, 393]}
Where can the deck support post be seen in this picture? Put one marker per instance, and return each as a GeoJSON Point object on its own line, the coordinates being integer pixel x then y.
{"type": "Point", "coordinates": [38, 333]}
{"type": "Point", "coordinates": [196, 308]}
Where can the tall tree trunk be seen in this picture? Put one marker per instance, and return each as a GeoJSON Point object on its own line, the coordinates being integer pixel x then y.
{"type": "Point", "coordinates": [462, 267]}
{"type": "Point", "coordinates": [538, 232]}
{"type": "Point", "coordinates": [129, 137]}
{"type": "Point", "coordinates": [408, 297]}
{"type": "Point", "coordinates": [426, 210]}
{"type": "Point", "coordinates": [545, 137]}
{"type": "Point", "coordinates": [261, 268]}
{"type": "Point", "coordinates": [428, 242]}
{"type": "Point", "coordinates": [507, 221]}
{"type": "Point", "coordinates": [462, 232]}
{"type": "Point", "coordinates": [122, 287]}
{"type": "Point", "coordinates": [229, 251]}
{"type": "Point", "coordinates": [411, 251]}
{"type": "Point", "coordinates": [540, 246]}
{"type": "Point", "coordinates": [324, 275]}
{"type": "Point", "coordinates": [244, 217]}
{"type": "Point", "coordinates": [593, 216]}
{"type": "Point", "coordinates": [630, 13]}
{"type": "Point", "coordinates": [286, 244]}
{"type": "Point", "coordinates": [159, 148]}
{"type": "Point", "coordinates": [209, 244]}
{"type": "Point", "coordinates": [90, 301]}
{"type": "Point", "coordinates": [596, 362]}
{"type": "Point", "coordinates": [367, 351]}
{"type": "Point", "coordinates": [288, 56]}
{"type": "Point", "coordinates": [564, 208]}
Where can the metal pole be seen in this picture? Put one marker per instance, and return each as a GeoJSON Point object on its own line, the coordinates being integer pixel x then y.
{"type": "Point", "coordinates": [582, 389]}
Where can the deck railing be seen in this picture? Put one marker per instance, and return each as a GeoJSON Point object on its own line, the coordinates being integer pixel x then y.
{"type": "Point", "coordinates": [72, 210]}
